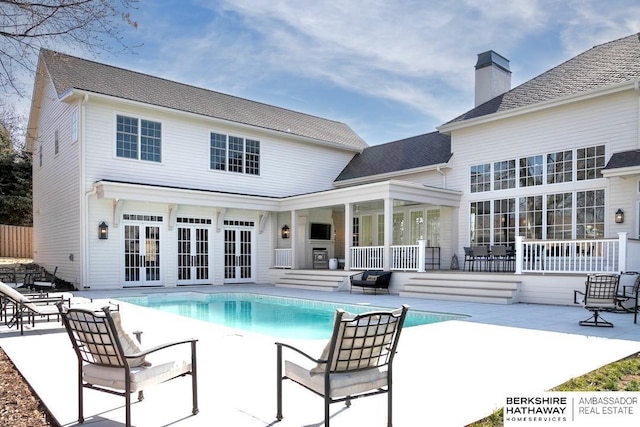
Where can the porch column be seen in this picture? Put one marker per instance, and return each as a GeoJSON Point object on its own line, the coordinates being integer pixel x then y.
{"type": "Point", "coordinates": [348, 232]}
{"type": "Point", "coordinates": [294, 238]}
{"type": "Point", "coordinates": [519, 248]}
{"type": "Point", "coordinates": [622, 251]}
{"type": "Point", "coordinates": [388, 232]}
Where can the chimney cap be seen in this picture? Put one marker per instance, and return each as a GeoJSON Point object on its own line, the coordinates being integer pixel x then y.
{"type": "Point", "coordinates": [488, 58]}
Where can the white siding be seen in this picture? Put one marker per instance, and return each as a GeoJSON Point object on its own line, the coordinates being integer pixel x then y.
{"type": "Point", "coordinates": [287, 166]}
{"type": "Point", "coordinates": [56, 190]}
{"type": "Point", "coordinates": [611, 120]}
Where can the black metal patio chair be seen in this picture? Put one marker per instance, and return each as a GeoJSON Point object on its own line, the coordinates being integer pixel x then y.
{"type": "Point", "coordinates": [599, 295]}
{"type": "Point", "coordinates": [110, 360]}
{"type": "Point", "coordinates": [356, 362]}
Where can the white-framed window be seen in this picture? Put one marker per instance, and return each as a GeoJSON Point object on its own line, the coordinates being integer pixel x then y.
{"type": "Point", "coordinates": [504, 221]}
{"type": "Point", "coordinates": [531, 170]}
{"type": "Point", "coordinates": [590, 211]}
{"type": "Point", "coordinates": [559, 216]}
{"type": "Point", "coordinates": [589, 162]}
{"type": "Point", "coordinates": [480, 224]}
{"type": "Point", "coordinates": [417, 226]}
{"type": "Point", "coordinates": [530, 215]}
{"type": "Point", "coordinates": [504, 175]}
{"type": "Point", "coordinates": [74, 125]}
{"type": "Point", "coordinates": [398, 228]}
{"type": "Point", "coordinates": [234, 154]}
{"type": "Point", "coordinates": [433, 227]}
{"type": "Point", "coordinates": [480, 178]}
{"type": "Point", "coordinates": [560, 167]}
{"type": "Point", "coordinates": [380, 229]}
{"type": "Point", "coordinates": [138, 139]}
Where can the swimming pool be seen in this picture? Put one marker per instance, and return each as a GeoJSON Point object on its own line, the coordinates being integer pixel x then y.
{"type": "Point", "coordinates": [280, 317]}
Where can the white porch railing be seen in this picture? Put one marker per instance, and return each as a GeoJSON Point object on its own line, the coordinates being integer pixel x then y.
{"type": "Point", "coordinates": [573, 256]}
{"type": "Point", "coordinates": [283, 258]}
{"type": "Point", "coordinates": [367, 257]}
{"type": "Point", "coordinates": [532, 256]}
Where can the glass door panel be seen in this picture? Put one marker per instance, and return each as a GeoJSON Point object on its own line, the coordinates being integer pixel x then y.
{"type": "Point", "coordinates": [193, 255]}
{"type": "Point", "coordinates": [141, 255]}
{"type": "Point", "coordinates": [238, 255]}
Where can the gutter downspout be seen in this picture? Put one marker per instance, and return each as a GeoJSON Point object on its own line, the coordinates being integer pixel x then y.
{"type": "Point", "coordinates": [444, 177]}
{"type": "Point", "coordinates": [636, 88]}
{"type": "Point", "coordinates": [84, 199]}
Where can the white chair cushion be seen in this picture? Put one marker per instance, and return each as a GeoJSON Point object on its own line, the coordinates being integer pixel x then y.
{"type": "Point", "coordinates": [141, 376]}
{"type": "Point", "coordinates": [342, 384]}
{"type": "Point", "coordinates": [129, 344]}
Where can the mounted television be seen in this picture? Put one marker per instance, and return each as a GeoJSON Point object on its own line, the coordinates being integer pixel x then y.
{"type": "Point", "coordinates": [320, 231]}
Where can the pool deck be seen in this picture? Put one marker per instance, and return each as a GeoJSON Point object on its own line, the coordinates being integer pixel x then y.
{"type": "Point", "coordinates": [445, 374]}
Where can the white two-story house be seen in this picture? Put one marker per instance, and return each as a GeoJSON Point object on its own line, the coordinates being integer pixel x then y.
{"type": "Point", "coordinates": [141, 181]}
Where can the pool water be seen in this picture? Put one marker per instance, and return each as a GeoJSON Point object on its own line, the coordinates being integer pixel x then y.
{"type": "Point", "coordinates": [268, 315]}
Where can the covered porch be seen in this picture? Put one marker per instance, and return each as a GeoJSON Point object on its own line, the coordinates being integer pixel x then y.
{"type": "Point", "coordinates": [390, 225]}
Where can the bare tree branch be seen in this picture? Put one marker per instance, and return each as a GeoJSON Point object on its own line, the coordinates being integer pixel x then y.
{"type": "Point", "coordinates": [26, 26]}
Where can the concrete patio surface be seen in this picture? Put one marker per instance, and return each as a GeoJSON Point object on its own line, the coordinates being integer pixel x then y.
{"type": "Point", "coordinates": [445, 374]}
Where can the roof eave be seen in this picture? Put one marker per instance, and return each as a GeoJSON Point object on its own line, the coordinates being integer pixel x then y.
{"type": "Point", "coordinates": [582, 96]}
{"type": "Point", "coordinates": [621, 172]}
{"type": "Point", "coordinates": [388, 175]}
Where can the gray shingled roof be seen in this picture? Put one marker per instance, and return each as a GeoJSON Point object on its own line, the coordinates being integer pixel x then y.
{"type": "Point", "coordinates": [69, 72]}
{"type": "Point", "coordinates": [607, 64]}
{"type": "Point", "coordinates": [624, 159]}
{"type": "Point", "coordinates": [415, 152]}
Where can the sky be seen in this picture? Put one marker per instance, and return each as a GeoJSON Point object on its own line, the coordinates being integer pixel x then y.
{"type": "Point", "coordinates": [388, 69]}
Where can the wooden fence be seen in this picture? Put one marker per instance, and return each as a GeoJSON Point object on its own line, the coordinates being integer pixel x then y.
{"type": "Point", "coordinates": [16, 242]}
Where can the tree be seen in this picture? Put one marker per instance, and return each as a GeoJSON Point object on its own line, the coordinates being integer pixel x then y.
{"type": "Point", "coordinates": [15, 171]}
{"type": "Point", "coordinates": [26, 26]}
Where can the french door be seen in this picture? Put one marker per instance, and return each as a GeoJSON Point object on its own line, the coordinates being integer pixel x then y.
{"type": "Point", "coordinates": [239, 252]}
{"type": "Point", "coordinates": [193, 253]}
{"type": "Point", "coordinates": [142, 255]}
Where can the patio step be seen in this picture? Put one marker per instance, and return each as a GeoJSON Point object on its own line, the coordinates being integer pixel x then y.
{"type": "Point", "coordinates": [487, 289]}
{"type": "Point", "coordinates": [317, 280]}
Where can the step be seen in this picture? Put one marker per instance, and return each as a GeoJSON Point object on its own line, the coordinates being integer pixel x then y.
{"type": "Point", "coordinates": [450, 297]}
{"type": "Point", "coordinates": [321, 280]}
{"type": "Point", "coordinates": [487, 289]}
{"type": "Point", "coordinates": [447, 290]}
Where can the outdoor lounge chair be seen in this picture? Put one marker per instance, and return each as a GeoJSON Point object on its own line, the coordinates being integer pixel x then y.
{"type": "Point", "coordinates": [599, 295]}
{"type": "Point", "coordinates": [356, 362]}
{"type": "Point", "coordinates": [371, 279]}
{"type": "Point", "coordinates": [19, 306]}
{"type": "Point", "coordinates": [45, 281]}
{"type": "Point", "coordinates": [110, 360]}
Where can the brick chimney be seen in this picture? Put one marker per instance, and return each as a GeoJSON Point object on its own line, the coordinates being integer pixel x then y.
{"type": "Point", "coordinates": [493, 76]}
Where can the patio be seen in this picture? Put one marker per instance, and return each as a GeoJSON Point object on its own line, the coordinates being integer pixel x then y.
{"type": "Point", "coordinates": [446, 374]}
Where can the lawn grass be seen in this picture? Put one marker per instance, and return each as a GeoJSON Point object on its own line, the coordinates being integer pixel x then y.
{"type": "Point", "coordinates": [623, 375]}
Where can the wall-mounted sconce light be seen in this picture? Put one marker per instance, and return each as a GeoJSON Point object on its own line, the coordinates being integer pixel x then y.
{"type": "Point", "coordinates": [285, 232]}
{"type": "Point", "coordinates": [619, 216]}
{"type": "Point", "coordinates": [103, 231]}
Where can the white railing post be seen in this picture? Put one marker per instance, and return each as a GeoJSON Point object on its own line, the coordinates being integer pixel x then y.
{"type": "Point", "coordinates": [622, 251]}
{"type": "Point", "coordinates": [519, 254]}
{"type": "Point", "coordinates": [422, 255]}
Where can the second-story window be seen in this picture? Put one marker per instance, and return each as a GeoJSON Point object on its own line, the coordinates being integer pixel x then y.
{"type": "Point", "coordinates": [531, 171]}
{"type": "Point", "coordinates": [590, 162]}
{"type": "Point", "coordinates": [234, 154]}
{"type": "Point", "coordinates": [138, 139]}
{"type": "Point", "coordinates": [480, 176]}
